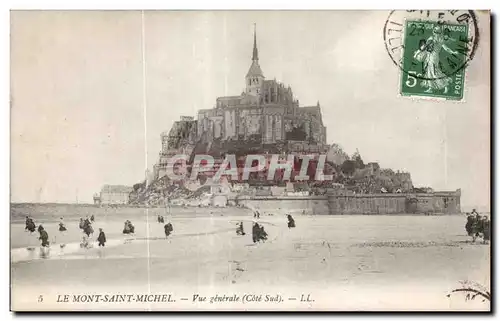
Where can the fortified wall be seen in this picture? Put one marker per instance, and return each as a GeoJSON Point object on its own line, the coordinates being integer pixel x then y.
{"type": "Point", "coordinates": [334, 204]}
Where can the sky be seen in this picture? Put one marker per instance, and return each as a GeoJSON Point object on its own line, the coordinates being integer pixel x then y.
{"type": "Point", "coordinates": [92, 91]}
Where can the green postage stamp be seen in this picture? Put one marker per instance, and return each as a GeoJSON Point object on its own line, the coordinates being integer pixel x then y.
{"type": "Point", "coordinates": [434, 59]}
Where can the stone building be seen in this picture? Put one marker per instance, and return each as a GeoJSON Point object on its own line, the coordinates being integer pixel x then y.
{"type": "Point", "coordinates": [265, 117]}
{"type": "Point", "coordinates": [115, 194]}
{"type": "Point", "coordinates": [97, 199]}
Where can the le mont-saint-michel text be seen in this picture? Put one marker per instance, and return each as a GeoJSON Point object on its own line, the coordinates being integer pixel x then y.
{"type": "Point", "coordinates": [169, 298]}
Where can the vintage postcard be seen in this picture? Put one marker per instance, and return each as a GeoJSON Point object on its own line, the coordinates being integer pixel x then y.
{"type": "Point", "coordinates": [250, 160]}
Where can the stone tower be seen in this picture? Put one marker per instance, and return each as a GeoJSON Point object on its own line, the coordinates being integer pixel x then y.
{"type": "Point", "coordinates": [255, 77]}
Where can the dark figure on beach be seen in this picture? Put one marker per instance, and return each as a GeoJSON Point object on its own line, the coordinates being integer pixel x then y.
{"type": "Point", "coordinates": [128, 228]}
{"type": "Point", "coordinates": [291, 221]}
{"type": "Point", "coordinates": [486, 229]}
{"type": "Point", "coordinates": [256, 214]}
{"type": "Point", "coordinates": [30, 225]}
{"type": "Point", "coordinates": [239, 230]}
{"type": "Point", "coordinates": [161, 219]}
{"type": "Point", "coordinates": [87, 227]}
{"type": "Point", "coordinates": [82, 223]}
{"type": "Point", "coordinates": [468, 225]}
{"type": "Point", "coordinates": [44, 237]}
{"type": "Point", "coordinates": [88, 230]}
{"type": "Point", "coordinates": [168, 229]}
{"type": "Point", "coordinates": [62, 228]}
{"type": "Point", "coordinates": [262, 233]}
{"type": "Point", "coordinates": [255, 232]}
{"type": "Point", "coordinates": [92, 219]}
{"type": "Point", "coordinates": [258, 233]}
{"type": "Point", "coordinates": [101, 238]}
{"type": "Point", "coordinates": [477, 227]}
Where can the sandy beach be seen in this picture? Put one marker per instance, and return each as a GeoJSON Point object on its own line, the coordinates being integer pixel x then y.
{"type": "Point", "coordinates": [343, 262]}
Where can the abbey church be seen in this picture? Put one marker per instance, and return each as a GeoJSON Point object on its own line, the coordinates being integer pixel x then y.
{"type": "Point", "coordinates": [264, 118]}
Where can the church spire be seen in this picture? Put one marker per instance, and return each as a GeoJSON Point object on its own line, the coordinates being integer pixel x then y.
{"type": "Point", "coordinates": [255, 51]}
{"type": "Point", "coordinates": [255, 70]}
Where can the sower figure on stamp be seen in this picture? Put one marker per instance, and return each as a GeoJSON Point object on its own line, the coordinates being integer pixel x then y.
{"type": "Point", "coordinates": [428, 54]}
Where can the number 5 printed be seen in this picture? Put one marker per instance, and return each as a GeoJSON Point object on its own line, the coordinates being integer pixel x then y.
{"type": "Point", "coordinates": [410, 80]}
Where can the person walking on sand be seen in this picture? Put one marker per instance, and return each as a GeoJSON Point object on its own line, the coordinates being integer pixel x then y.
{"type": "Point", "coordinates": [469, 223]}
{"type": "Point", "coordinates": [239, 230]}
{"type": "Point", "coordinates": [168, 229]}
{"type": "Point", "coordinates": [62, 227]}
{"type": "Point", "coordinates": [486, 229]}
{"type": "Point", "coordinates": [44, 236]}
{"type": "Point", "coordinates": [30, 225]}
{"type": "Point", "coordinates": [101, 238]}
{"type": "Point", "coordinates": [255, 232]}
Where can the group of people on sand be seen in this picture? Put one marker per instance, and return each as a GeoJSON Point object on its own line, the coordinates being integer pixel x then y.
{"type": "Point", "coordinates": [169, 228]}
{"type": "Point", "coordinates": [258, 231]}
{"type": "Point", "coordinates": [85, 226]}
{"type": "Point", "coordinates": [478, 226]}
{"type": "Point", "coordinates": [31, 226]}
{"type": "Point", "coordinates": [128, 228]}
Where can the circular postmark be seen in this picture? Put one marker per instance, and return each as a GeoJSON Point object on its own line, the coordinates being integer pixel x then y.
{"type": "Point", "coordinates": [431, 45]}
